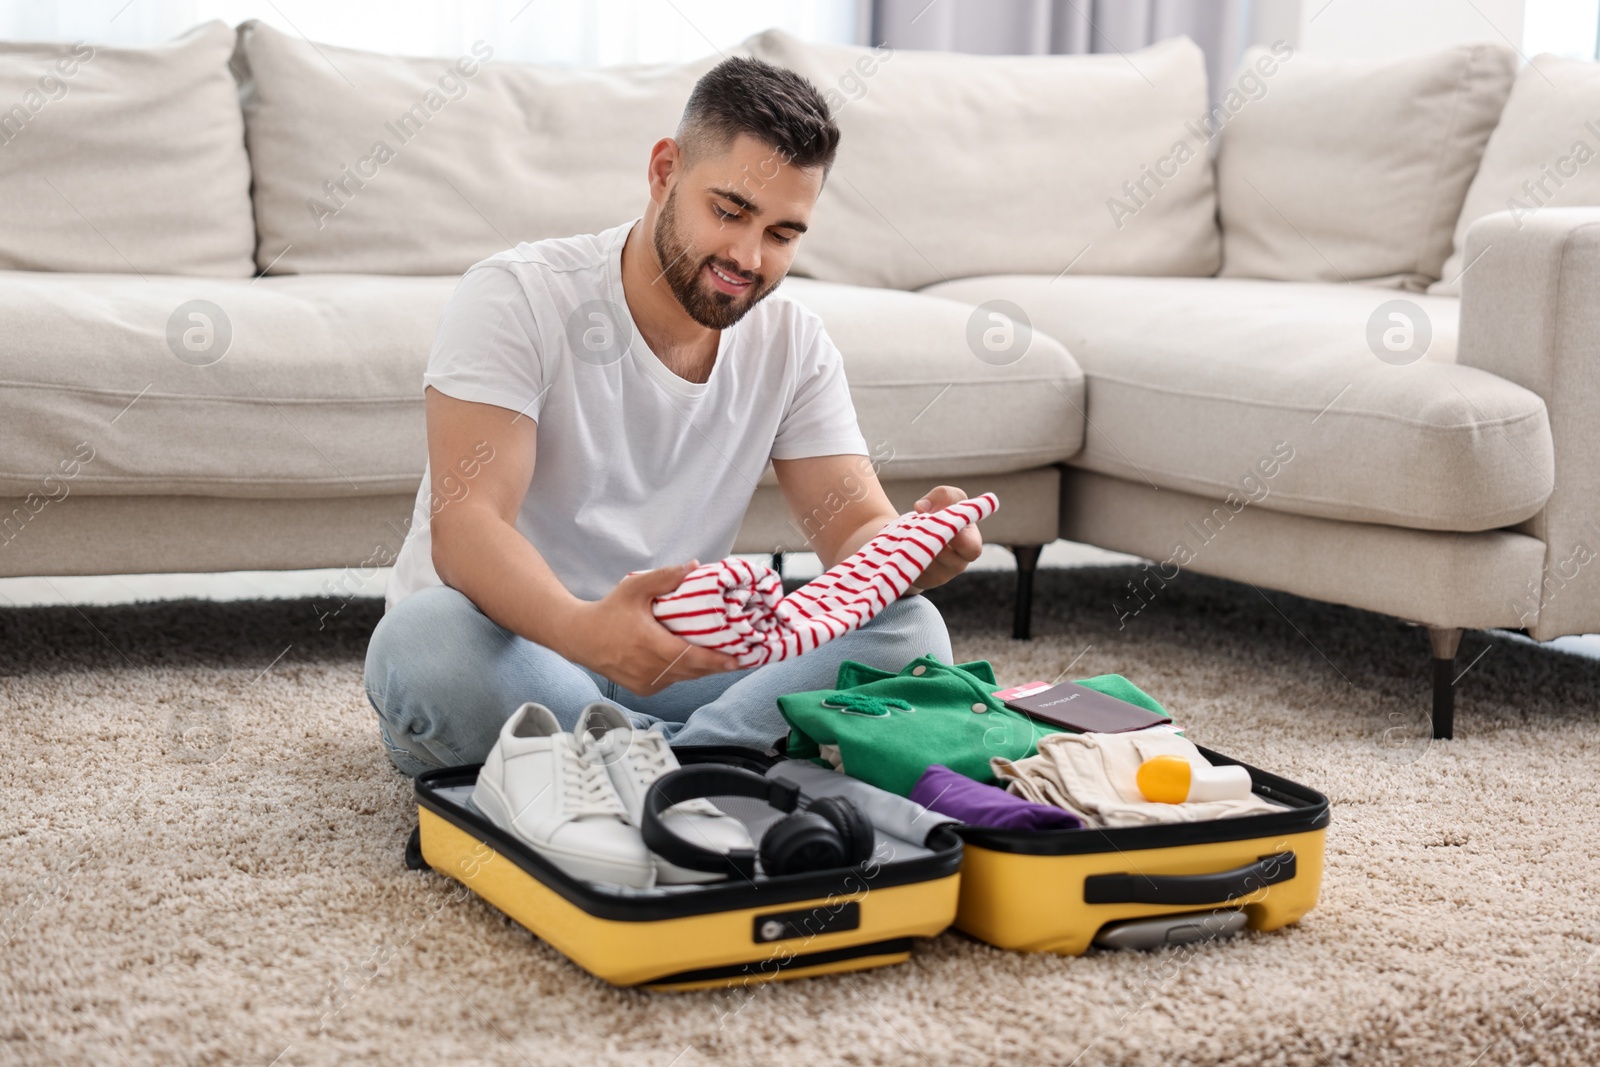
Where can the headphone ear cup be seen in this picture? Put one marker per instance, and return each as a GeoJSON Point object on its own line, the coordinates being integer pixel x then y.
{"type": "Point", "coordinates": [801, 842]}
{"type": "Point", "coordinates": [855, 829]}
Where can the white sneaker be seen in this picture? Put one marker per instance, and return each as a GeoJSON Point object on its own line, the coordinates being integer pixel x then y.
{"type": "Point", "coordinates": [634, 759]}
{"type": "Point", "coordinates": [537, 786]}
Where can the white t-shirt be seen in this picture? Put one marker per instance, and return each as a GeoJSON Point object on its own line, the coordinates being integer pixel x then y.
{"type": "Point", "coordinates": [636, 467]}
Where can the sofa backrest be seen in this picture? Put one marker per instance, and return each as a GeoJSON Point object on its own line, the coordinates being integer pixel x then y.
{"type": "Point", "coordinates": [1545, 152]}
{"type": "Point", "coordinates": [1339, 170]}
{"type": "Point", "coordinates": [124, 160]}
{"type": "Point", "coordinates": [134, 159]}
{"type": "Point", "coordinates": [951, 165]}
{"type": "Point", "coordinates": [392, 165]}
{"type": "Point", "coordinates": [959, 165]}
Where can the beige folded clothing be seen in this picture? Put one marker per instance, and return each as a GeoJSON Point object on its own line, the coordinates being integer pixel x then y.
{"type": "Point", "coordinates": [1095, 777]}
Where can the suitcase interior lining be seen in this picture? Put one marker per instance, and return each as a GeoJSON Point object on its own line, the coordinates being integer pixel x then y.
{"type": "Point", "coordinates": [756, 816]}
{"type": "Point", "coordinates": [1303, 809]}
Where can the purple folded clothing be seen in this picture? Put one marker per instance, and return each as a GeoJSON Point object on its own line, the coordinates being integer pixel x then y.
{"type": "Point", "coordinates": [954, 794]}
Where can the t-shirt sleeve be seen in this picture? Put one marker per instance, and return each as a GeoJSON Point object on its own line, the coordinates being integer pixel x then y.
{"type": "Point", "coordinates": [486, 349]}
{"type": "Point", "coordinates": [821, 419]}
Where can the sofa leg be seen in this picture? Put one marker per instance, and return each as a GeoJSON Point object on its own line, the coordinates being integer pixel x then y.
{"type": "Point", "coordinates": [1027, 564]}
{"type": "Point", "coordinates": [777, 563]}
{"type": "Point", "coordinates": [1446, 641]}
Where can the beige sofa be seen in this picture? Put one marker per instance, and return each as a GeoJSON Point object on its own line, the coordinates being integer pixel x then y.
{"type": "Point", "coordinates": [221, 263]}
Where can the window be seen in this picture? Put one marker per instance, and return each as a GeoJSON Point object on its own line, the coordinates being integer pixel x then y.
{"type": "Point", "coordinates": [1568, 28]}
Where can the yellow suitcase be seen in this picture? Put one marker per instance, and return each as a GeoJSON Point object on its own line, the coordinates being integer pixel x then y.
{"type": "Point", "coordinates": [692, 937]}
{"type": "Point", "coordinates": [1058, 890]}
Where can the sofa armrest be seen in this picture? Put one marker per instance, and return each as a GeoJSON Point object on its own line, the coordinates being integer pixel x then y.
{"type": "Point", "coordinates": [1530, 313]}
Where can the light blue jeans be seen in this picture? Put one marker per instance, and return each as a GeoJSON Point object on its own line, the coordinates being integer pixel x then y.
{"type": "Point", "coordinates": [444, 678]}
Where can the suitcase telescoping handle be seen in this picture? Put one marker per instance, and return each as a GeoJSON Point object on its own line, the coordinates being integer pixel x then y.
{"type": "Point", "coordinates": [1215, 888]}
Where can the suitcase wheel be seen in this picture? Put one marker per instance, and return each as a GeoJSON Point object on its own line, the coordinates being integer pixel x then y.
{"type": "Point", "coordinates": [414, 860]}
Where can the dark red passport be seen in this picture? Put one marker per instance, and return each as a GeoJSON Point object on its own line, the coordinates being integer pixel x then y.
{"type": "Point", "coordinates": [1077, 707]}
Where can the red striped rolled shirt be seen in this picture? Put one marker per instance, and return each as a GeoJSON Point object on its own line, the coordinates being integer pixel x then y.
{"type": "Point", "coordinates": [739, 608]}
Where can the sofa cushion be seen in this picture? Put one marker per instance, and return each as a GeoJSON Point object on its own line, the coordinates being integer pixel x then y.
{"type": "Point", "coordinates": [928, 406]}
{"type": "Point", "coordinates": [125, 160]}
{"type": "Point", "coordinates": [1545, 152]}
{"type": "Point", "coordinates": [1206, 386]}
{"type": "Point", "coordinates": [311, 385]}
{"type": "Point", "coordinates": [433, 164]}
{"type": "Point", "coordinates": [1355, 171]}
{"type": "Point", "coordinates": [955, 165]}
{"type": "Point", "coordinates": [298, 386]}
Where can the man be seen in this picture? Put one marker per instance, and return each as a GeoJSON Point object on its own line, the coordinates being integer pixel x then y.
{"type": "Point", "coordinates": [605, 404]}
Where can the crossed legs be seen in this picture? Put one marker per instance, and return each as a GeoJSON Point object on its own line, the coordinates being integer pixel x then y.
{"type": "Point", "coordinates": [443, 678]}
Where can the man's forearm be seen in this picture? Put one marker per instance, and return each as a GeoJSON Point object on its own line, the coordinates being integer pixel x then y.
{"type": "Point", "coordinates": [858, 537]}
{"type": "Point", "coordinates": [501, 572]}
{"type": "Point", "coordinates": [851, 543]}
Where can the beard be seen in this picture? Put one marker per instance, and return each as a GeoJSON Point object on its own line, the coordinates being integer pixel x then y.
{"type": "Point", "coordinates": [684, 270]}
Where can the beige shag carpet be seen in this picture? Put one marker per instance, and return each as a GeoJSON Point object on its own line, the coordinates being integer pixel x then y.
{"type": "Point", "coordinates": [200, 863]}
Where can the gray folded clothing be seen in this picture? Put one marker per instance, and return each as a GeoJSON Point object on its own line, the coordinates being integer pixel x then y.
{"type": "Point", "coordinates": [890, 815]}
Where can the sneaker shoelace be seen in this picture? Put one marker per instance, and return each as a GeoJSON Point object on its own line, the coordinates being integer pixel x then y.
{"type": "Point", "coordinates": [649, 758]}
{"type": "Point", "coordinates": [586, 788]}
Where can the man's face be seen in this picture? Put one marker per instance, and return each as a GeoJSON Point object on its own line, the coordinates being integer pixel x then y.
{"type": "Point", "coordinates": [729, 227]}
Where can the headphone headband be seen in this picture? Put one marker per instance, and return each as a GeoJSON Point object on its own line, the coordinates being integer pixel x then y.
{"type": "Point", "coordinates": [708, 780]}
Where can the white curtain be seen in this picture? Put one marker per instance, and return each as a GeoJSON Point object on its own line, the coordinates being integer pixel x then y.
{"type": "Point", "coordinates": [567, 32]}
{"type": "Point", "coordinates": [1222, 28]}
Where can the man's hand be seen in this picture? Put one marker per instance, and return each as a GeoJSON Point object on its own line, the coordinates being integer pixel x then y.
{"type": "Point", "coordinates": [965, 547]}
{"type": "Point", "coordinates": [617, 636]}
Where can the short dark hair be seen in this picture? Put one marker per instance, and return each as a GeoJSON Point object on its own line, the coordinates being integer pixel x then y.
{"type": "Point", "coordinates": [770, 103]}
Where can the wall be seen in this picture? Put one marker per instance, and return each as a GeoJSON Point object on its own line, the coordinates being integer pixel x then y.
{"type": "Point", "coordinates": [1382, 29]}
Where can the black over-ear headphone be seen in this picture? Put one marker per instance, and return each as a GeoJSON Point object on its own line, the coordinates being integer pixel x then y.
{"type": "Point", "coordinates": [831, 832]}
